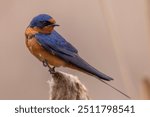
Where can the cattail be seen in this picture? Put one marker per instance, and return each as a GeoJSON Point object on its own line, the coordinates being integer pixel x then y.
{"type": "Point", "coordinates": [65, 86]}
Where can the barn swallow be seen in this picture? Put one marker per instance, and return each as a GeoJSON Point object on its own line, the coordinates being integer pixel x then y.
{"type": "Point", "coordinates": [53, 50]}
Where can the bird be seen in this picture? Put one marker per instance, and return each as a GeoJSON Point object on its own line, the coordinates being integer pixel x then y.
{"type": "Point", "coordinates": [53, 50]}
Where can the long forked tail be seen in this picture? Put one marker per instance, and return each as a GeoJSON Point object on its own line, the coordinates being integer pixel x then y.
{"type": "Point", "coordinates": [85, 67]}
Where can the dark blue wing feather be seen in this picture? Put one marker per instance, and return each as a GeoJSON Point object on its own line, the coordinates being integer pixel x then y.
{"type": "Point", "coordinates": [54, 41]}
{"type": "Point", "coordinates": [56, 44]}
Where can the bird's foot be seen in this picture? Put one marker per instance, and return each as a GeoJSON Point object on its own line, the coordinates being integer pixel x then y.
{"type": "Point", "coordinates": [51, 69]}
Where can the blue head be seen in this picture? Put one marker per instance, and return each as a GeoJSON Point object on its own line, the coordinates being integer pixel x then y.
{"type": "Point", "coordinates": [43, 23]}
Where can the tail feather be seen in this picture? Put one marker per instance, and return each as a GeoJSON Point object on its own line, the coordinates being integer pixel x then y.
{"type": "Point", "coordinates": [84, 66]}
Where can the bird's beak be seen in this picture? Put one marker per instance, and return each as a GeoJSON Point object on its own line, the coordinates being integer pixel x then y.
{"type": "Point", "coordinates": [55, 25]}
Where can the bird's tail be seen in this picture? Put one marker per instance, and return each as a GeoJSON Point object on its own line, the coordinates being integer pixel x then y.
{"type": "Point", "coordinates": [82, 65]}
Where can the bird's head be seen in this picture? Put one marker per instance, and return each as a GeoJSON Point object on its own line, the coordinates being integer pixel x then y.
{"type": "Point", "coordinates": [43, 23]}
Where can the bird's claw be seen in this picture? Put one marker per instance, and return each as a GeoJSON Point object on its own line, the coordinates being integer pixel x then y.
{"type": "Point", "coordinates": [51, 69]}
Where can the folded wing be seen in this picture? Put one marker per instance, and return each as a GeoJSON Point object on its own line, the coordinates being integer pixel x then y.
{"type": "Point", "coordinates": [56, 44]}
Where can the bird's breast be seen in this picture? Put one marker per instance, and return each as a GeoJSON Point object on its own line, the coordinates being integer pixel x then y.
{"type": "Point", "coordinates": [38, 51]}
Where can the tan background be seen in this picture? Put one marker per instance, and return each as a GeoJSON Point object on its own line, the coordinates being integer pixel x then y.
{"type": "Point", "coordinates": [112, 35]}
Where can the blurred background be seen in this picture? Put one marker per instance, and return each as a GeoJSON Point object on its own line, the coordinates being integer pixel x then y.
{"type": "Point", "coordinates": [111, 35]}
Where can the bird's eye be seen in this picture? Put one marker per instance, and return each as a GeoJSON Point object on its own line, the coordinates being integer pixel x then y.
{"type": "Point", "coordinates": [45, 23]}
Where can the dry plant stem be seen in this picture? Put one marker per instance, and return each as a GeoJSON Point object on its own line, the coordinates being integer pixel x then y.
{"type": "Point", "coordinates": [65, 86]}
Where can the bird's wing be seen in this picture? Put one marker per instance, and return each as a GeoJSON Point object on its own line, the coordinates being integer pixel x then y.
{"type": "Point", "coordinates": [56, 44]}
